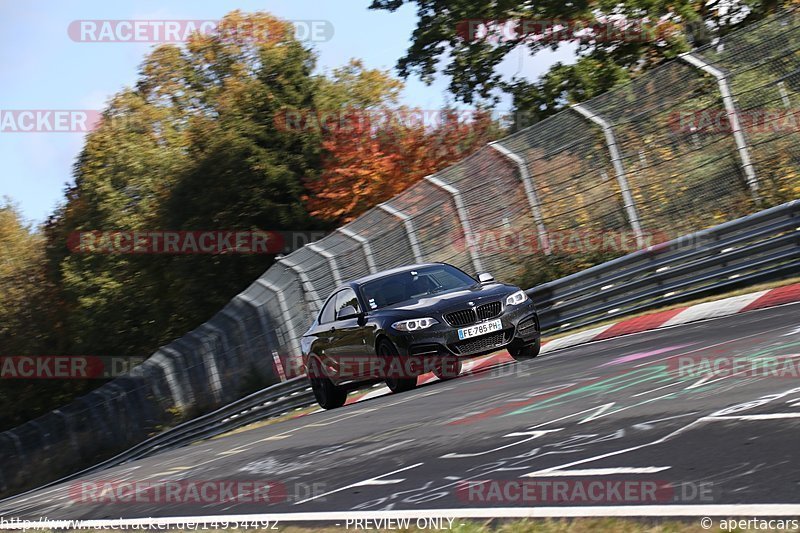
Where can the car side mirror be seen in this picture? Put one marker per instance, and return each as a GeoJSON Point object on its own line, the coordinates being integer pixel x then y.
{"type": "Point", "coordinates": [485, 277]}
{"type": "Point", "coordinates": [348, 311]}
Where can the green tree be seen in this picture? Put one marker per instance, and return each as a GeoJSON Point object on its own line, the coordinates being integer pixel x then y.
{"type": "Point", "coordinates": [30, 319]}
{"type": "Point", "coordinates": [445, 34]}
{"type": "Point", "coordinates": [192, 146]}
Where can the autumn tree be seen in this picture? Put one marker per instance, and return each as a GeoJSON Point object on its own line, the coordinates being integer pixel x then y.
{"type": "Point", "coordinates": [192, 146]}
{"type": "Point", "coordinates": [372, 156]}
{"type": "Point", "coordinates": [30, 319]}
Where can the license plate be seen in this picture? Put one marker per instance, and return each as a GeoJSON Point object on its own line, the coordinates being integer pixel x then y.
{"type": "Point", "coordinates": [480, 329]}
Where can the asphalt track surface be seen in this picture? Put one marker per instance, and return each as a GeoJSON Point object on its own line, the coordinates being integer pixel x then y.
{"type": "Point", "coordinates": [619, 410]}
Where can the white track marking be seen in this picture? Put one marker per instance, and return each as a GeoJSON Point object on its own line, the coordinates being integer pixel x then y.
{"type": "Point", "coordinates": [723, 415]}
{"type": "Point", "coordinates": [389, 447]}
{"type": "Point", "coordinates": [594, 409]}
{"type": "Point", "coordinates": [766, 416]}
{"type": "Point", "coordinates": [703, 348]}
{"type": "Point", "coordinates": [793, 332]}
{"type": "Point", "coordinates": [648, 424]}
{"type": "Point", "coordinates": [656, 389]}
{"type": "Point", "coordinates": [598, 412]}
{"type": "Point", "coordinates": [606, 471]}
{"type": "Point", "coordinates": [377, 480]}
{"type": "Point", "coordinates": [530, 434]}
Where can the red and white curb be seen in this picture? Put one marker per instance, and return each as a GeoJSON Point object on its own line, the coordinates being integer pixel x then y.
{"type": "Point", "coordinates": [682, 315]}
{"type": "Point", "coordinates": [672, 317]}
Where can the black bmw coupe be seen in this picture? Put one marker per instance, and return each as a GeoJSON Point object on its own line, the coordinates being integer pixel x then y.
{"type": "Point", "coordinates": [394, 325]}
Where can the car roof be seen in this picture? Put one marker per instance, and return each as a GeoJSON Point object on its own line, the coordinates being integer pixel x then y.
{"type": "Point", "coordinates": [384, 273]}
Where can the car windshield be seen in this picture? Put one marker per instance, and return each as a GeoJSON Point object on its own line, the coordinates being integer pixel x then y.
{"type": "Point", "coordinates": [396, 288]}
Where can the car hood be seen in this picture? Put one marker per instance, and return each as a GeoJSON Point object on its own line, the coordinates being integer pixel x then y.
{"type": "Point", "coordinates": [452, 300]}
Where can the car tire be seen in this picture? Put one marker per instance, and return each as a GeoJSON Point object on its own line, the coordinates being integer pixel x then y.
{"type": "Point", "coordinates": [527, 352]}
{"type": "Point", "coordinates": [387, 349]}
{"type": "Point", "coordinates": [447, 371]}
{"type": "Point", "coordinates": [328, 395]}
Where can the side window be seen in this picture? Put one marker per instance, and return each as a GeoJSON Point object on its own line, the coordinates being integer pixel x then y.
{"type": "Point", "coordinates": [345, 298]}
{"type": "Point", "coordinates": [328, 313]}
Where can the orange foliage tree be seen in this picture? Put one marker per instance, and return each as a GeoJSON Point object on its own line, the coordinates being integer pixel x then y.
{"type": "Point", "coordinates": [371, 156]}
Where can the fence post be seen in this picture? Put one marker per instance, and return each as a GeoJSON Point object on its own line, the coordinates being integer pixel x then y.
{"type": "Point", "coordinates": [278, 366]}
{"type": "Point", "coordinates": [410, 231]}
{"type": "Point", "coordinates": [616, 161]}
{"type": "Point", "coordinates": [733, 118]}
{"type": "Point", "coordinates": [462, 216]}
{"type": "Point", "coordinates": [331, 261]}
{"type": "Point", "coordinates": [364, 244]}
{"type": "Point", "coordinates": [287, 316]}
{"type": "Point", "coordinates": [209, 361]}
{"type": "Point", "coordinates": [310, 293]}
{"type": "Point", "coordinates": [530, 193]}
{"type": "Point", "coordinates": [167, 366]}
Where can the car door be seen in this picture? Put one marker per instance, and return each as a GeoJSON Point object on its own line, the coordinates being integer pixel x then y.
{"type": "Point", "coordinates": [323, 332]}
{"type": "Point", "coordinates": [348, 345]}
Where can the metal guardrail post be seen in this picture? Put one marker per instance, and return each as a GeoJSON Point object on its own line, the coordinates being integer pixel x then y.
{"type": "Point", "coordinates": [733, 118]}
{"type": "Point", "coordinates": [331, 261]}
{"type": "Point", "coordinates": [787, 103]}
{"type": "Point", "coordinates": [257, 308]}
{"type": "Point", "coordinates": [294, 344]}
{"type": "Point", "coordinates": [312, 297]}
{"type": "Point", "coordinates": [278, 368]}
{"type": "Point", "coordinates": [225, 338]}
{"type": "Point", "coordinates": [210, 362]}
{"type": "Point", "coordinates": [530, 193]}
{"type": "Point", "coordinates": [616, 161]}
{"type": "Point", "coordinates": [410, 231]}
{"type": "Point", "coordinates": [166, 364]}
{"type": "Point", "coordinates": [184, 377]}
{"type": "Point", "coordinates": [462, 216]}
{"type": "Point", "coordinates": [364, 244]}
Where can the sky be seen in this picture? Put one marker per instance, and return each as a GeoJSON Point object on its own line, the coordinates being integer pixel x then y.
{"type": "Point", "coordinates": [44, 68]}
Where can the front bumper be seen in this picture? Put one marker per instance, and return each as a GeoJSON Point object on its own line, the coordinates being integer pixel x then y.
{"type": "Point", "coordinates": [520, 326]}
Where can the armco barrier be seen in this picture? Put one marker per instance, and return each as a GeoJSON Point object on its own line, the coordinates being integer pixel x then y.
{"type": "Point", "coordinates": [626, 162]}
{"type": "Point", "coordinates": [759, 247]}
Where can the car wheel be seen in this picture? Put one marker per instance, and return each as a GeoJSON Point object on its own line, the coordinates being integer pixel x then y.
{"type": "Point", "coordinates": [529, 351]}
{"type": "Point", "coordinates": [447, 367]}
{"type": "Point", "coordinates": [396, 384]}
{"type": "Point", "coordinates": [328, 395]}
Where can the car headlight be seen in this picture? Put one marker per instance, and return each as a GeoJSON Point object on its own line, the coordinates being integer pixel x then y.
{"type": "Point", "coordinates": [414, 324]}
{"type": "Point", "coordinates": [516, 298]}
